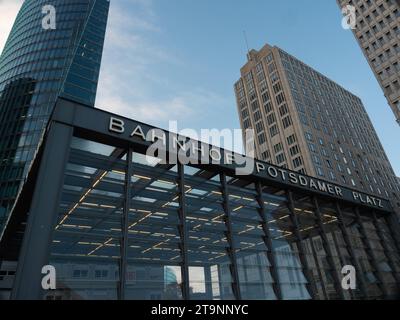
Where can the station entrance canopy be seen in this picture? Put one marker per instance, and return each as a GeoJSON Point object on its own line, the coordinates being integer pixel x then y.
{"type": "Point", "coordinates": [116, 223]}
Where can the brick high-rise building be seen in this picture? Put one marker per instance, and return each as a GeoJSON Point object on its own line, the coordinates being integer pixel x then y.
{"type": "Point", "coordinates": [378, 34]}
{"type": "Point", "coordinates": [306, 122]}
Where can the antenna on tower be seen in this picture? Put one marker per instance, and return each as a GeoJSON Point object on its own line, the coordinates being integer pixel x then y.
{"type": "Point", "coordinates": [247, 45]}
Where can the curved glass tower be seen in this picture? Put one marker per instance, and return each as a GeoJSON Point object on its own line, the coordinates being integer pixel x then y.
{"type": "Point", "coordinates": [37, 66]}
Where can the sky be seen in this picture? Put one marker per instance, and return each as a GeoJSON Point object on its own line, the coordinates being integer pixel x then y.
{"type": "Point", "coordinates": [179, 59]}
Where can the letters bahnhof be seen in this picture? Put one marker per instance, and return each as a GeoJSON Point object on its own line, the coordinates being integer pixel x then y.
{"type": "Point", "coordinates": [117, 224]}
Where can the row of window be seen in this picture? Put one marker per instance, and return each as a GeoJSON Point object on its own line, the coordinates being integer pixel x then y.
{"type": "Point", "coordinates": [344, 121]}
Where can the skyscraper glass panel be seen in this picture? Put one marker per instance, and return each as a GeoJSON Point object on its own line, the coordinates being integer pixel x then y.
{"type": "Point", "coordinates": [39, 64]}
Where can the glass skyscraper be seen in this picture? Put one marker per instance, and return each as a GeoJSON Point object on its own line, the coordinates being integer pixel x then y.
{"type": "Point", "coordinates": [37, 66]}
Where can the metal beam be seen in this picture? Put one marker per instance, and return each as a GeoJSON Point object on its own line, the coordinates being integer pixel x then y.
{"type": "Point", "coordinates": [311, 286]}
{"type": "Point", "coordinates": [125, 226]}
{"type": "Point", "coordinates": [268, 242]}
{"type": "Point", "coordinates": [394, 228]}
{"type": "Point", "coordinates": [328, 251]}
{"type": "Point", "coordinates": [391, 262]}
{"type": "Point", "coordinates": [39, 231]}
{"type": "Point", "coordinates": [370, 252]}
{"type": "Point", "coordinates": [319, 270]}
{"type": "Point", "coordinates": [229, 236]}
{"type": "Point", "coordinates": [349, 245]}
{"type": "Point", "coordinates": [342, 259]}
{"type": "Point", "coordinates": [183, 230]}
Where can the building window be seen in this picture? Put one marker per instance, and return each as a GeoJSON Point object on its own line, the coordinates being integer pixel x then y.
{"type": "Point", "coordinates": [80, 273]}
{"type": "Point", "coordinates": [261, 138]}
{"type": "Point", "coordinates": [254, 105]}
{"type": "Point", "coordinates": [101, 274]}
{"type": "Point", "coordinates": [278, 147]}
{"type": "Point", "coordinates": [257, 115]}
{"type": "Point", "coordinates": [283, 109]}
{"type": "Point", "coordinates": [271, 118]}
{"type": "Point", "coordinates": [273, 131]}
{"type": "Point", "coordinates": [259, 127]}
{"type": "Point", "coordinates": [317, 160]}
{"type": "Point", "coordinates": [277, 87]}
{"type": "Point", "coordinates": [294, 150]}
{"type": "Point", "coordinates": [320, 172]}
{"type": "Point", "coordinates": [265, 155]}
{"type": "Point", "coordinates": [280, 98]}
{"type": "Point", "coordinates": [297, 162]}
{"type": "Point", "coordinates": [291, 139]}
{"type": "Point", "coordinates": [280, 158]}
{"type": "Point", "coordinates": [268, 107]}
{"type": "Point", "coordinates": [265, 97]}
{"type": "Point", "coordinates": [287, 121]}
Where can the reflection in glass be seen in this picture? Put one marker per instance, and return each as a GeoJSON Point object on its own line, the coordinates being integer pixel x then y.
{"type": "Point", "coordinates": [86, 244]}
{"type": "Point", "coordinates": [209, 263]}
{"type": "Point", "coordinates": [290, 271]}
{"type": "Point", "coordinates": [154, 254]}
{"type": "Point", "coordinates": [251, 251]}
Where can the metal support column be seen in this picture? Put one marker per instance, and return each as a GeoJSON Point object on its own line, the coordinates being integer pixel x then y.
{"type": "Point", "coordinates": [349, 245]}
{"type": "Point", "coordinates": [268, 243]}
{"type": "Point", "coordinates": [183, 231]}
{"type": "Point", "coordinates": [328, 251]}
{"type": "Point", "coordinates": [311, 286]}
{"type": "Point", "coordinates": [391, 262]}
{"type": "Point", "coordinates": [39, 231]}
{"type": "Point", "coordinates": [125, 226]}
{"type": "Point", "coordinates": [229, 236]}
{"type": "Point", "coordinates": [370, 252]}
{"type": "Point", "coordinates": [342, 259]}
{"type": "Point", "coordinates": [322, 279]}
{"type": "Point", "coordinates": [394, 228]}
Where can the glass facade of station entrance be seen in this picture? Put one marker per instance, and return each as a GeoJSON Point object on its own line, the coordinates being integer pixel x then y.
{"type": "Point", "coordinates": [241, 239]}
{"type": "Point", "coordinates": [128, 227]}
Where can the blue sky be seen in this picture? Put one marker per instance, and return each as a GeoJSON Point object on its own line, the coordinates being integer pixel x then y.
{"type": "Point", "coordinates": [179, 59]}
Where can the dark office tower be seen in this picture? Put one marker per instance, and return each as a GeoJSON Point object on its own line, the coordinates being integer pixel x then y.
{"type": "Point", "coordinates": [36, 67]}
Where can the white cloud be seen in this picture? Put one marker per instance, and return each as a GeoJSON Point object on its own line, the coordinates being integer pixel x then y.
{"type": "Point", "coordinates": [130, 83]}
{"type": "Point", "coordinates": [8, 12]}
{"type": "Point", "coordinates": [150, 111]}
